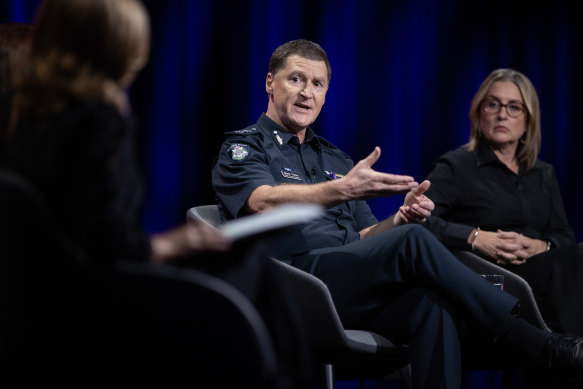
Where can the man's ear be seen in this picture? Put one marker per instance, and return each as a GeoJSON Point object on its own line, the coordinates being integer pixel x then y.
{"type": "Point", "coordinates": [269, 84]}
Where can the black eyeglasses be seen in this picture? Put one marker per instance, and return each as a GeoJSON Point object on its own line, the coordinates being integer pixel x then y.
{"type": "Point", "coordinates": [492, 106]}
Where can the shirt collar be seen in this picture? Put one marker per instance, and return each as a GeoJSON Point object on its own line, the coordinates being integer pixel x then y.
{"type": "Point", "coordinates": [279, 133]}
{"type": "Point", "coordinates": [485, 156]}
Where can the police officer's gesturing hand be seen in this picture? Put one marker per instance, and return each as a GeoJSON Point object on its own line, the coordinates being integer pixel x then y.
{"type": "Point", "coordinates": [417, 207]}
{"type": "Point", "coordinates": [362, 182]}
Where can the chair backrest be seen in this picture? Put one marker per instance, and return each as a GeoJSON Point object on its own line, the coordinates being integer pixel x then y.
{"type": "Point", "coordinates": [513, 284]}
{"type": "Point", "coordinates": [325, 330]}
{"type": "Point", "coordinates": [68, 324]}
{"type": "Point", "coordinates": [315, 301]}
{"type": "Point", "coordinates": [187, 326]}
{"type": "Point", "coordinates": [208, 214]}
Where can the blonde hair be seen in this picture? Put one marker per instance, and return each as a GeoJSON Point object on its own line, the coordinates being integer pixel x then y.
{"type": "Point", "coordinates": [529, 146]}
{"type": "Point", "coordinates": [86, 49]}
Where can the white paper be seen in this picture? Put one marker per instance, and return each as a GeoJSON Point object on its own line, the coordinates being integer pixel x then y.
{"type": "Point", "coordinates": [281, 216]}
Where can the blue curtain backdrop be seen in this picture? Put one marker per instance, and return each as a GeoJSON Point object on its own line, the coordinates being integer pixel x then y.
{"type": "Point", "coordinates": [403, 76]}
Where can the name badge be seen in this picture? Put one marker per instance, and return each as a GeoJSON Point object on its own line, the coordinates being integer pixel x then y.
{"type": "Point", "coordinates": [287, 173]}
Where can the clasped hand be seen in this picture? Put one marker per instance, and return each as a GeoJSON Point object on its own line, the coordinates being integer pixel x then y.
{"type": "Point", "coordinates": [508, 247]}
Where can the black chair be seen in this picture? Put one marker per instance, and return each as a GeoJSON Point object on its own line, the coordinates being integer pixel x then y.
{"type": "Point", "coordinates": [65, 323]}
{"type": "Point", "coordinates": [44, 292]}
{"type": "Point", "coordinates": [346, 354]}
{"type": "Point", "coordinates": [190, 329]}
{"type": "Point", "coordinates": [208, 214]}
{"type": "Point", "coordinates": [481, 354]}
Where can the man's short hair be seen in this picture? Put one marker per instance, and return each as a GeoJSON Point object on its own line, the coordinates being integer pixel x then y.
{"type": "Point", "coordinates": [300, 47]}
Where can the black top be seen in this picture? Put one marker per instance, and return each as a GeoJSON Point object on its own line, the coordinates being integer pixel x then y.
{"type": "Point", "coordinates": [475, 189]}
{"type": "Point", "coordinates": [82, 161]}
{"type": "Point", "coordinates": [266, 154]}
{"type": "Point", "coordinates": [5, 107]}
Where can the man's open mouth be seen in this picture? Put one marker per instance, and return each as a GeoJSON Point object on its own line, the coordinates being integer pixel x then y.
{"type": "Point", "coordinates": [302, 106]}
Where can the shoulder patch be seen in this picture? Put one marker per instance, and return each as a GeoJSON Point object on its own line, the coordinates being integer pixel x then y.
{"type": "Point", "coordinates": [238, 151]}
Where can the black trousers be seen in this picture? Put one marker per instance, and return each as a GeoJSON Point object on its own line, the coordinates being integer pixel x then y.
{"type": "Point", "coordinates": [407, 286]}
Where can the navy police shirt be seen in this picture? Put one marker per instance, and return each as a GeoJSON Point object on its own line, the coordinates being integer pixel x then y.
{"type": "Point", "coordinates": [266, 154]}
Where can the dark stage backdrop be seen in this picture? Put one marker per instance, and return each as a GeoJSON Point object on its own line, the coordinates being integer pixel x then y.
{"type": "Point", "coordinates": [403, 75]}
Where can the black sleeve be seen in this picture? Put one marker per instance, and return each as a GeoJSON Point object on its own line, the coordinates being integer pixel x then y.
{"type": "Point", "coordinates": [242, 166]}
{"type": "Point", "coordinates": [82, 160]}
{"type": "Point", "coordinates": [558, 230]}
{"type": "Point", "coordinates": [444, 192]}
{"type": "Point", "coordinates": [109, 176]}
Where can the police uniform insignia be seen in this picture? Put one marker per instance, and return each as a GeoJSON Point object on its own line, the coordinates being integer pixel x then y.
{"type": "Point", "coordinates": [286, 172]}
{"type": "Point", "coordinates": [238, 151]}
{"type": "Point", "coordinates": [245, 131]}
{"type": "Point", "coordinates": [333, 175]}
{"type": "Point", "coordinates": [279, 140]}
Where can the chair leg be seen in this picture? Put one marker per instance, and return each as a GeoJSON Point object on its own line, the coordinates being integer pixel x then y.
{"type": "Point", "coordinates": [329, 376]}
{"type": "Point", "coordinates": [405, 373]}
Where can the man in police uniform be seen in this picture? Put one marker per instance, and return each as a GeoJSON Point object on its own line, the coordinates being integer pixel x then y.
{"type": "Point", "coordinates": [400, 282]}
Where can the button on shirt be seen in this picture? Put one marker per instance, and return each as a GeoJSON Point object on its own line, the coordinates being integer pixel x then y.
{"type": "Point", "coordinates": [266, 154]}
{"type": "Point", "coordinates": [475, 189]}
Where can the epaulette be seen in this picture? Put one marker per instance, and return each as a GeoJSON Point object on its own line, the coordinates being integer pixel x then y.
{"type": "Point", "coordinates": [324, 142]}
{"type": "Point", "coordinates": [245, 131]}
{"type": "Point", "coordinates": [330, 146]}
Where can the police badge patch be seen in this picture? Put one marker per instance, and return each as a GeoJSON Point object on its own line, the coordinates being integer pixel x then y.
{"type": "Point", "coordinates": [238, 151]}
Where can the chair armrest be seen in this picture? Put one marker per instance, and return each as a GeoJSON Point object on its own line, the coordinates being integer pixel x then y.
{"type": "Point", "coordinates": [513, 284]}
{"type": "Point", "coordinates": [316, 306]}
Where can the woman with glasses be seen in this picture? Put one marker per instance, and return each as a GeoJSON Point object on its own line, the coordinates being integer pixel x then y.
{"type": "Point", "coordinates": [494, 196]}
